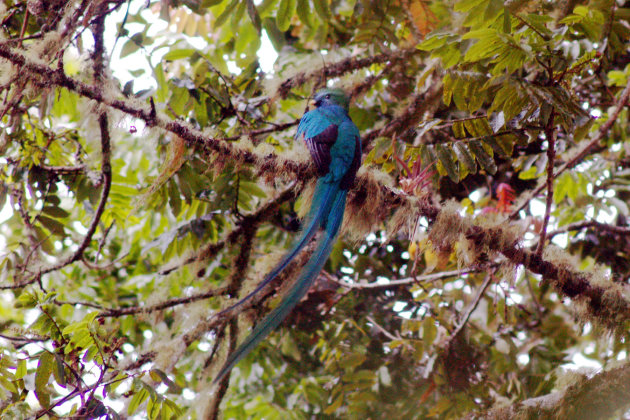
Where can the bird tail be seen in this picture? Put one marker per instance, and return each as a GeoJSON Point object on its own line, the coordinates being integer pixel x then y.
{"type": "Point", "coordinates": [299, 289]}
{"type": "Point", "coordinates": [322, 198]}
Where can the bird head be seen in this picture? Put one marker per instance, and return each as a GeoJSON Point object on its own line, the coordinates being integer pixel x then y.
{"type": "Point", "coordinates": [332, 97]}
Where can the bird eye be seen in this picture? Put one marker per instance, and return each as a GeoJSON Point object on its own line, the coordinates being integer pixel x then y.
{"type": "Point", "coordinates": [328, 96]}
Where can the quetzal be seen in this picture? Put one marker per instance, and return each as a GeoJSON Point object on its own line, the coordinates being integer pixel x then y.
{"type": "Point", "coordinates": [334, 143]}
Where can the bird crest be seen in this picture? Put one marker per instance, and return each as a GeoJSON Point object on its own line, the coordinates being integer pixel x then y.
{"type": "Point", "coordinates": [334, 96]}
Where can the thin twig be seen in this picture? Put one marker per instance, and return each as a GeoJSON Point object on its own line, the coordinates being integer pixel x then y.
{"type": "Point", "coordinates": [601, 133]}
{"type": "Point", "coordinates": [132, 310]}
{"type": "Point", "coordinates": [473, 306]}
{"type": "Point", "coordinates": [623, 230]}
{"type": "Point", "coordinates": [551, 159]}
{"type": "Point", "coordinates": [410, 280]}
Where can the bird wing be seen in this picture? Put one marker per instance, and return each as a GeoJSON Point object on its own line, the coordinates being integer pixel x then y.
{"type": "Point", "coordinates": [319, 134]}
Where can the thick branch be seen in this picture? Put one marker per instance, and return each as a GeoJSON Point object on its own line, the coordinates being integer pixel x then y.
{"type": "Point", "coordinates": [607, 304]}
{"type": "Point", "coordinates": [342, 67]}
{"type": "Point", "coordinates": [603, 396]}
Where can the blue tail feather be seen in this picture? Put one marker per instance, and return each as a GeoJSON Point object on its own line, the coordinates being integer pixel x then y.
{"type": "Point", "coordinates": [301, 286]}
{"type": "Point", "coordinates": [322, 199]}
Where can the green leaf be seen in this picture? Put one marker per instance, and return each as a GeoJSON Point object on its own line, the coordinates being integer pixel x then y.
{"type": "Point", "coordinates": [275, 35]}
{"type": "Point", "coordinates": [131, 46]}
{"type": "Point", "coordinates": [507, 22]}
{"type": "Point", "coordinates": [502, 149]}
{"type": "Point", "coordinates": [44, 240]}
{"type": "Point", "coordinates": [427, 154]}
{"type": "Point", "coordinates": [446, 158]}
{"type": "Point", "coordinates": [304, 12]}
{"type": "Point", "coordinates": [286, 10]}
{"type": "Point", "coordinates": [429, 330]}
{"type": "Point", "coordinates": [162, 85]}
{"type": "Point", "coordinates": [467, 5]}
{"type": "Point", "coordinates": [459, 97]}
{"type": "Point", "coordinates": [174, 407]}
{"type": "Point", "coordinates": [236, 20]}
{"type": "Point", "coordinates": [336, 404]}
{"type": "Point", "coordinates": [352, 360]}
{"type": "Point", "coordinates": [447, 89]}
{"type": "Point", "coordinates": [209, 3]}
{"type": "Point", "coordinates": [43, 324]}
{"type": "Point", "coordinates": [482, 127]}
{"type": "Point", "coordinates": [538, 22]}
{"type": "Point", "coordinates": [20, 371]}
{"type": "Point", "coordinates": [173, 55]}
{"type": "Point", "coordinates": [465, 156]}
{"type": "Point", "coordinates": [484, 159]}
{"type": "Point", "coordinates": [59, 372]}
{"type": "Point", "coordinates": [26, 300]}
{"type": "Point", "coordinates": [380, 151]}
{"type": "Point", "coordinates": [252, 11]}
{"type": "Point", "coordinates": [7, 385]}
{"type": "Point", "coordinates": [51, 224]}
{"type": "Point", "coordinates": [530, 173]}
{"type": "Point", "coordinates": [55, 212]}
{"type": "Point", "coordinates": [458, 130]}
{"type": "Point", "coordinates": [322, 9]}
{"type": "Point", "coordinates": [493, 9]}
{"type": "Point", "coordinates": [42, 374]}
{"type": "Point", "coordinates": [432, 43]}
{"type": "Point", "coordinates": [265, 7]}
{"type": "Point", "coordinates": [223, 17]}
{"type": "Point", "coordinates": [137, 399]}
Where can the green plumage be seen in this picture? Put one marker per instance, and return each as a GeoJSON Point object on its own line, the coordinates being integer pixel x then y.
{"type": "Point", "coordinates": [335, 146]}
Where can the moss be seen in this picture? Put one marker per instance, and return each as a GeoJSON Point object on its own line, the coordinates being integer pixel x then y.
{"type": "Point", "coordinates": [447, 227]}
{"type": "Point", "coordinates": [366, 208]}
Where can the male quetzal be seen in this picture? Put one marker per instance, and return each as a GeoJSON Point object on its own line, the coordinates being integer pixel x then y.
{"type": "Point", "coordinates": [335, 147]}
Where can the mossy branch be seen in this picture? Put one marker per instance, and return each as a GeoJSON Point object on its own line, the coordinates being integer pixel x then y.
{"type": "Point", "coordinates": [602, 396]}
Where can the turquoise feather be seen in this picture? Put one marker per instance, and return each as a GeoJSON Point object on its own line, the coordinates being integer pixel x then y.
{"type": "Point", "coordinates": [335, 146]}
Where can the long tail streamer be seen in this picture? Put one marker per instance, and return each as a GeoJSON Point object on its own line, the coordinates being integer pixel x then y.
{"type": "Point", "coordinates": [330, 221]}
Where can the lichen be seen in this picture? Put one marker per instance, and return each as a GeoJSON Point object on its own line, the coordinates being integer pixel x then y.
{"type": "Point", "coordinates": [448, 226]}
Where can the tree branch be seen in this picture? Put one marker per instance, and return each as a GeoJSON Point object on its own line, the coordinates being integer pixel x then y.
{"type": "Point", "coordinates": [342, 67]}
{"type": "Point", "coordinates": [429, 278]}
{"type": "Point", "coordinates": [623, 230]}
{"type": "Point", "coordinates": [132, 310]}
{"type": "Point", "coordinates": [106, 169]}
{"type": "Point", "coordinates": [601, 133]}
{"type": "Point", "coordinates": [551, 159]}
{"type": "Point", "coordinates": [602, 396]}
{"type": "Point", "coordinates": [472, 307]}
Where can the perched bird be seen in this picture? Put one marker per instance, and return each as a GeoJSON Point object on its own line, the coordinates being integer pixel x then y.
{"type": "Point", "coordinates": [335, 146]}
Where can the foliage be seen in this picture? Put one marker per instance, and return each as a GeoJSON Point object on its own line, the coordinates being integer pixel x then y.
{"type": "Point", "coordinates": [486, 247]}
